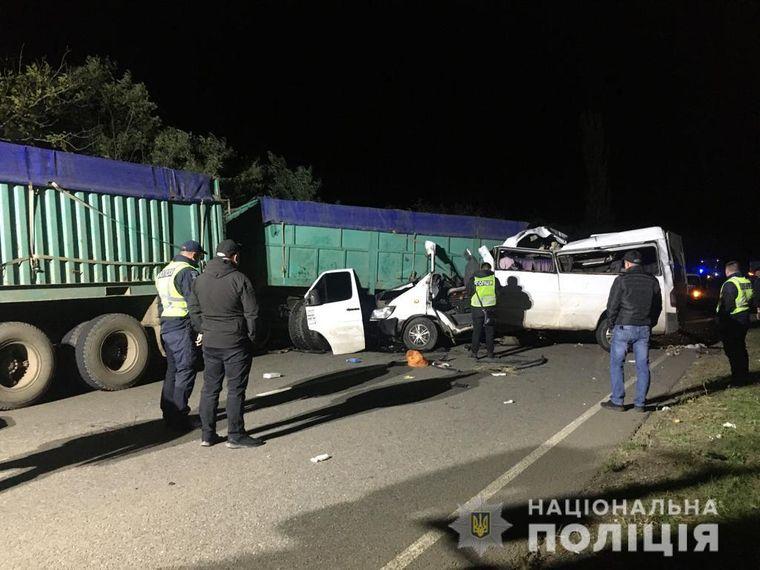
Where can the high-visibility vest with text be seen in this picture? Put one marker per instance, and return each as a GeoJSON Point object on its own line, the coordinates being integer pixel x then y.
{"type": "Point", "coordinates": [485, 292]}
{"type": "Point", "coordinates": [172, 301]}
{"type": "Point", "coordinates": [743, 294]}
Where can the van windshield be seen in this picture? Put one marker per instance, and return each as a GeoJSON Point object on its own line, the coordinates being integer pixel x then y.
{"type": "Point", "coordinates": [607, 261]}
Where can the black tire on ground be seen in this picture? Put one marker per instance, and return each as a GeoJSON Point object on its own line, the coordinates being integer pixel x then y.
{"type": "Point", "coordinates": [112, 352]}
{"type": "Point", "coordinates": [420, 333]}
{"type": "Point", "coordinates": [27, 362]}
{"type": "Point", "coordinates": [294, 326]}
{"type": "Point", "coordinates": [298, 326]}
{"type": "Point", "coordinates": [72, 337]}
{"type": "Point", "coordinates": [603, 334]}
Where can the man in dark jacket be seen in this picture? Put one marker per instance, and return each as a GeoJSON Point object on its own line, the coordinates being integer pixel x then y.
{"type": "Point", "coordinates": [481, 290]}
{"type": "Point", "coordinates": [736, 304]}
{"type": "Point", "coordinates": [223, 307]}
{"type": "Point", "coordinates": [633, 308]}
{"type": "Point", "coordinates": [174, 284]}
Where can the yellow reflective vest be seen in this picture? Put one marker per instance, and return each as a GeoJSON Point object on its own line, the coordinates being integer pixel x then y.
{"type": "Point", "coordinates": [743, 294]}
{"type": "Point", "coordinates": [172, 301]}
{"type": "Point", "coordinates": [485, 292]}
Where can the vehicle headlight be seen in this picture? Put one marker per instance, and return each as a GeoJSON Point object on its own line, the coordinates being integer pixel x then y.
{"type": "Point", "coordinates": [384, 313]}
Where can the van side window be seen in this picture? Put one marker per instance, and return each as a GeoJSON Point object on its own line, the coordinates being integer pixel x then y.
{"type": "Point", "coordinates": [517, 260]}
{"type": "Point", "coordinates": [607, 261]}
{"type": "Point", "coordinates": [335, 287]}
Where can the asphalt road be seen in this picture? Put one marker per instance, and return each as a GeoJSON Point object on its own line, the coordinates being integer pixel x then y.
{"type": "Point", "coordinates": [95, 480]}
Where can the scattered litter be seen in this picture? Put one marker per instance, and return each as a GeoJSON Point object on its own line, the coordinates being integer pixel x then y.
{"type": "Point", "coordinates": [699, 347]}
{"type": "Point", "coordinates": [579, 345]}
{"type": "Point", "coordinates": [509, 402]}
{"type": "Point", "coordinates": [665, 409]}
{"type": "Point", "coordinates": [673, 350]}
{"type": "Point", "coordinates": [270, 375]}
{"type": "Point", "coordinates": [172, 483]}
{"type": "Point", "coordinates": [631, 361]}
{"type": "Point", "coordinates": [415, 359]}
{"type": "Point", "coordinates": [408, 377]}
{"type": "Point", "coordinates": [719, 436]}
{"type": "Point", "coordinates": [460, 385]}
{"type": "Point", "coordinates": [676, 421]}
{"type": "Point", "coordinates": [729, 425]}
{"type": "Point", "coordinates": [593, 377]}
{"type": "Point", "coordinates": [498, 373]}
{"type": "Point", "coordinates": [353, 360]}
{"type": "Point", "coordinates": [440, 364]}
{"type": "Point", "coordinates": [320, 458]}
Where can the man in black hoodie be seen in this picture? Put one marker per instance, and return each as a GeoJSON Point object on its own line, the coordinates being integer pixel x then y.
{"type": "Point", "coordinates": [223, 307]}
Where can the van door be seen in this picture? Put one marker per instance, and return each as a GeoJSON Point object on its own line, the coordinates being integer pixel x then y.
{"type": "Point", "coordinates": [680, 295]}
{"type": "Point", "coordinates": [529, 297]}
{"type": "Point", "coordinates": [333, 309]}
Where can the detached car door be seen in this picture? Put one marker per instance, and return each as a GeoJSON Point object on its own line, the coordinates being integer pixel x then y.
{"type": "Point", "coordinates": [333, 309]}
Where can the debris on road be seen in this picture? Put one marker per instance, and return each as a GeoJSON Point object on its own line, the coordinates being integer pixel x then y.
{"type": "Point", "coordinates": [440, 364]}
{"type": "Point", "coordinates": [673, 350]}
{"type": "Point", "coordinates": [498, 373]}
{"type": "Point", "coordinates": [320, 458]}
{"type": "Point", "coordinates": [408, 377]}
{"type": "Point", "coordinates": [353, 360]}
{"type": "Point", "coordinates": [665, 409]}
{"type": "Point", "coordinates": [699, 347]}
{"type": "Point", "coordinates": [631, 361]}
{"type": "Point", "coordinates": [415, 359]}
{"type": "Point", "coordinates": [676, 421]}
{"type": "Point", "coordinates": [509, 402]}
{"type": "Point", "coordinates": [270, 375]}
{"type": "Point", "coordinates": [460, 385]}
{"type": "Point", "coordinates": [729, 425]}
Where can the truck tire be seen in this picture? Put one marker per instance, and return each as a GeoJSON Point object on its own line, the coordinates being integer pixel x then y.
{"type": "Point", "coordinates": [420, 333]}
{"type": "Point", "coordinates": [603, 334]}
{"type": "Point", "coordinates": [304, 338]}
{"type": "Point", "coordinates": [112, 352]}
{"type": "Point", "coordinates": [72, 337]}
{"type": "Point", "coordinates": [27, 362]}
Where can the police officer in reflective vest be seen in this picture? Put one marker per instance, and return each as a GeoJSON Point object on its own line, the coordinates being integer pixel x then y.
{"type": "Point", "coordinates": [482, 292]}
{"type": "Point", "coordinates": [174, 284]}
{"type": "Point", "coordinates": [734, 308]}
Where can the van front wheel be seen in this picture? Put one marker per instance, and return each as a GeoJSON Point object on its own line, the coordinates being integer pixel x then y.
{"type": "Point", "coordinates": [420, 334]}
{"type": "Point", "coordinates": [604, 334]}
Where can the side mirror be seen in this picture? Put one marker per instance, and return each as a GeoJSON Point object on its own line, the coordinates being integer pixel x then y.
{"type": "Point", "coordinates": [313, 299]}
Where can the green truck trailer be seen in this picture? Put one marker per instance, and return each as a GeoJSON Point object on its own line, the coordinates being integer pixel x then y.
{"type": "Point", "coordinates": [81, 240]}
{"type": "Point", "coordinates": [290, 243]}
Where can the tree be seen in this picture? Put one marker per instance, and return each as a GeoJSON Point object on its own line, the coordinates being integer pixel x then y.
{"type": "Point", "coordinates": [92, 109]}
{"type": "Point", "coordinates": [595, 156]}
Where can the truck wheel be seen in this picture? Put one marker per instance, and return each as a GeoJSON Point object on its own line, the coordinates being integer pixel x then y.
{"type": "Point", "coordinates": [72, 337]}
{"type": "Point", "coordinates": [420, 333]}
{"type": "Point", "coordinates": [27, 362]}
{"type": "Point", "coordinates": [112, 352]}
{"type": "Point", "coordinates": [603, 334]}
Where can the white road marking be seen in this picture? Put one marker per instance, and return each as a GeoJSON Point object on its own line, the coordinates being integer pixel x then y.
{"type": "Point", "coordinates": [278, 391]}
{"type": "Point", "coordinates": [431, 537]}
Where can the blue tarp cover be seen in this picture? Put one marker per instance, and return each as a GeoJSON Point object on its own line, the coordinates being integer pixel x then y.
{"type": "Point", "coordinates": [23, 164]}
{"type": "Point", "coordinates": [377, 219]}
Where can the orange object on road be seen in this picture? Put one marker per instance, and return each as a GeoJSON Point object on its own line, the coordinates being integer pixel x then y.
{"type": "Point", "coordinates": [415, 359]}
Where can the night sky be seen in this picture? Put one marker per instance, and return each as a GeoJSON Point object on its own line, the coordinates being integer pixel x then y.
{"type": "Point", "coordinates": [458, 102]}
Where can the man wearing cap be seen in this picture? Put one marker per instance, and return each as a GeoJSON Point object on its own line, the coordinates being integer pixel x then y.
{"type": "Point", "coordinates": [633, 308]}
{"type": "Point", "coordinates": [736, 303]}
{"type": "Point", "coordinates": [174, 284]}
{"type": "Point", "coordinates": [223, 307]}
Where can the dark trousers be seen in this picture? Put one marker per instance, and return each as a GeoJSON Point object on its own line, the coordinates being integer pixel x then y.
{"type": "Point", "coordinates": [180, 372]}
{"type": "Point", "coordinates": [235, 363]}
{"type": "Point", "coordinates": [733, 333]}
{"type": "Point", "coordinates": [482, 319]}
